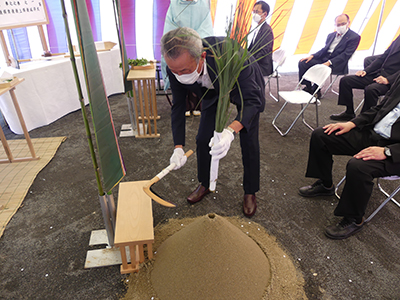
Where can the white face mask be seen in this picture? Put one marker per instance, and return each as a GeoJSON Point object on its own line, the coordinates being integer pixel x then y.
{"type": "Point", "coordinates": [189, 78]}
{"type": "Point", "coordinates": [341, 29]}
{"type": "Point", "coordinates": [256, 18]}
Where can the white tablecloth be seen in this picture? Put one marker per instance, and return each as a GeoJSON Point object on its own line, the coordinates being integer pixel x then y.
{"type": "Point", "coordinates": [49, 90]}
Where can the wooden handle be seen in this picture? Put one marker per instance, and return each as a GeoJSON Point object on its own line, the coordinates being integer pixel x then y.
{"type": "Point", "coordinates": [190, 152]}
{"type": "Point", "coordinates": [156, 178]}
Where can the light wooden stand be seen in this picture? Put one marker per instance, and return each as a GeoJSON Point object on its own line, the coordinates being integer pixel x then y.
{"type": "Point", "coordinates": [134, 225]}
{"type": "Point", "coordinates": [6, 147]}
{"type": "Point", "coordinates": [144, 102]}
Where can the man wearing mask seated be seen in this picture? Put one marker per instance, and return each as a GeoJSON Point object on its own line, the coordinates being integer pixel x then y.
{"type": "Point", "coordinates": [339, 47]}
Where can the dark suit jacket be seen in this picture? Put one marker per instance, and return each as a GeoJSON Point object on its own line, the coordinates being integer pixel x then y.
{"type": "Point", "coordinates": [251, 83]}
{"type": "Point", "coordinates": [387, 64]}
{"type": "Point", "coordinates": [261, 47]}
{"type": "Point", "coordinates": [368, 119]}
{"type": "Point", "coordinates": [342, 52]}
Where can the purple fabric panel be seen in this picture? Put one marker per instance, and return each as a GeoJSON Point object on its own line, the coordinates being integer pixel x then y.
{"type": "Point", "coordinates": [160, 8]}
{"type": "Point", "coordinates": [128, 21]}
{"type": "Point", "coordinates": [93, 8]}
{"type": "Point", "coordinates": [21, 42]}
{"type": "Point", "coordinates": [56, 28]}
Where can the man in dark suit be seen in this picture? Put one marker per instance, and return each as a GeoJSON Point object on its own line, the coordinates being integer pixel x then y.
{"type": "Point", "coordinates": [262, 43]}
{"type": "Point", "coordinates": [375, 79]}
{"type": "Point", "coordinates": [373, 139]}
{"type": "Point", "coordinates": [191, 66]}
{"type": "Point", "coordinates": [339, 47]}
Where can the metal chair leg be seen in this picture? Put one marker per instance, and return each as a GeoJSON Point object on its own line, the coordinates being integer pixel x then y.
{"type": "Point", "coordinates": [389, 197]}
{"type": "Point", "coordinates": [277, 86]}
{"type": "Point", "coordinates": [301, 114]}
{"type": "Point", "coordinates": [330, 85]}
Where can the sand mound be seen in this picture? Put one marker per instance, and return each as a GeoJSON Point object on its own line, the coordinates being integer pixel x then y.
{"type": "Point", "coordinates": [286, 283]}
{"type": "Point", "coordinates": [210, 259]}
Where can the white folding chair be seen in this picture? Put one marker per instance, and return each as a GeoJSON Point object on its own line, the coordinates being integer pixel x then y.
{"type": "Point", "coordinates": [389, 196]}
{"type": "Point", "coordinates": [317, 74]}
{"type": "Point", "coordinates": [278, 59]}
{"type": "Point", "coordinates": [332, 82]}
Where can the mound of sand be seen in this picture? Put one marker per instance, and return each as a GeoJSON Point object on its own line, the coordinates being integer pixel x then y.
{"type": "Point", "coordinates": [210, 259]}
{"type": "Point", "coordinates": [286, 282]}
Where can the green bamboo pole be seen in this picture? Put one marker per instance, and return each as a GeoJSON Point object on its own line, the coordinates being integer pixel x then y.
{"type": "Point", "coordinates": [81, 100]}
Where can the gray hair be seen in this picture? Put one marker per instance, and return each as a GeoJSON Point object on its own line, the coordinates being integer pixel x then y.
{"type": "Point", "coordinates": [176, 41]}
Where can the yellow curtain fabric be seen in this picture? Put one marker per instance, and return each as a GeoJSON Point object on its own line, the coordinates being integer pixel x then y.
{"type": "Point", "coordinates": [351, 9]}
{"type": "Point", "coordinates": [243, 15]}
{"type": "Point", "coordinates": [213, 8]}
{"type": "Point", "coordinates": [311, 26]}
{"type": "Point", "coordinates": [280, 18]}
{"type": "Point", "coordinates": [368, 34]}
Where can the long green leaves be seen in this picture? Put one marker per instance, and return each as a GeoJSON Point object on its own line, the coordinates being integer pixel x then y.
{"type": "Point", "coordinates": [230, 59]}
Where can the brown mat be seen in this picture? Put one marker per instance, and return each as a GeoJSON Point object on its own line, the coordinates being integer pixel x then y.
{"type": "Point", "coordinates": [17, 177]}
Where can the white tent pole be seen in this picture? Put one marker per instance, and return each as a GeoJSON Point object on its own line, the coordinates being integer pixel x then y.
{"type": "Point", "coordinates": [379, 26]}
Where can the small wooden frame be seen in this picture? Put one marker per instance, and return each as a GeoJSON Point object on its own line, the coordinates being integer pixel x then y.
{"type": "Point", "coordinates": [134, 225]}
{"type": "Point", "coordinates": [18, 14]}
{"type": "Point", "coordinates": [145, 105]}
{"type": "Point", "coordinates": [10, 158]}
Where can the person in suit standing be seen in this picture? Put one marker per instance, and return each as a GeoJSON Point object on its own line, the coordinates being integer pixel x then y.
{"type": "Point", "coordinates": [191, 67]}
{"type": "Point", "coordinates": [262, 43]}
{"type": "Point", "coordinates": [339, 47]}
{"type": "Point", "coordinates": [375, 79]}
{"type": "Point", "coordinates": [373, 139]}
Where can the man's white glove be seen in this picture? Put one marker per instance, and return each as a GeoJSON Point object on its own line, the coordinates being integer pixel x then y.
{"type": "Point", "coordinates": [220, 149]}
{"type": "Point", "coordinates": [178, 158]}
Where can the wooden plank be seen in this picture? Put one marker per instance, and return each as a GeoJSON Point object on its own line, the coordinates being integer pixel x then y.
{"type": "Point", "coordinates": [134, 214]}
{"type": "Point", "coordinates": [5, 49]}
{"type": "Point", "coordinates": [141, 74]}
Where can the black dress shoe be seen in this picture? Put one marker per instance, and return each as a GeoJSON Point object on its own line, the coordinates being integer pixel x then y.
{"type": "Point", "coordinates": [317, 189]}
{"type": "Point", "coordinates": [249, 205]}
{"type": "Point", "coordinates": [198, 194]}
{"type": "Point", "coordinates": [345, 228]}
{"type": "Point", "coordinates": [343, 116]}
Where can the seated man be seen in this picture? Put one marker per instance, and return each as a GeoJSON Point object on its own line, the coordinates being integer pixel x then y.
{"type": "Point", "coordinates": [339, 47]}
{"type": "Point", "coordinates": [373, 139]}
{"type": "Point", "coordinates": [375, 79]}
{"type": "Point", "coordinates": [191, 67]}
{"type": "Point", "coordinates": [262, 43]}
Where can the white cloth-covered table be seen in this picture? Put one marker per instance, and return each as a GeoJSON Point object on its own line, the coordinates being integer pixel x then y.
{"type": "Point", "coordinates": [49, 90]}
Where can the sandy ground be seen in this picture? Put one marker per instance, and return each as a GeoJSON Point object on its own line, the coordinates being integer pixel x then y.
{"type": "Point", "coordinates": [284, 278]}
{"type": "Point", "coordinates": [43, 249]}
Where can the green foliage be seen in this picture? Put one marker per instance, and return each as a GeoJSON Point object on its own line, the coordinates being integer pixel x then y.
{"type": "Point", "coordinates": [136, 62]}
{"type": "Point", "coordinates": [230, 61]}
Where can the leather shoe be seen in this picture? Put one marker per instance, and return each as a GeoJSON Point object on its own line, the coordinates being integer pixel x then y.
{"type": "Point", "coordinates": [345, 228]}
{"type": "Point", "coordinates": [249, 205]}
{"type": "Point", "coordinates": [198, 194]}
{"type": "Point", "coordinates": [343, 116]}
{"type": "Point", "coordinates": [317, 189]}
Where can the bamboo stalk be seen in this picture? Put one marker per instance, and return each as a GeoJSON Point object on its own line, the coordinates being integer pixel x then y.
{"type": "Point", "coordinates": [82, 102]}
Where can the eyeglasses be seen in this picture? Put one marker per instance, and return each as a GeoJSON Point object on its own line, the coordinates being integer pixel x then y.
{"type": "Point", "coordinates": [259, 12]}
